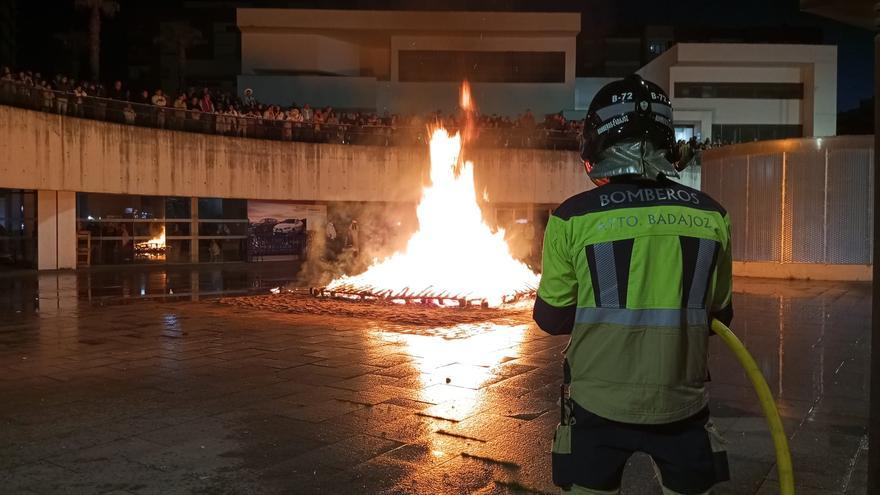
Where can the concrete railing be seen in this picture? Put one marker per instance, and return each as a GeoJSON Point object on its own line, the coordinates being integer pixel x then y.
{"type": "Point", "coordinates": [47, 151]}
{"type": "Point", "coordinates": [18, 94]}
{"type": "Point", "coordinates": [799, 208]}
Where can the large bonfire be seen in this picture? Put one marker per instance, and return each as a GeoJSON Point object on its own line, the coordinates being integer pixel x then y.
{"type": "Point", "coordinates": [454, 255]}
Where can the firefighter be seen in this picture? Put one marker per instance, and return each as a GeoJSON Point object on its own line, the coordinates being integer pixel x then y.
{"type": "Point", "coordinates": [634, 270]}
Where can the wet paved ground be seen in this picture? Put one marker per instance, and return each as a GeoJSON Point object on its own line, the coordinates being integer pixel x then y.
{"type": "Point", "coordinates": [196, 397]}
{"type": "Point", "coordinates": [28, 292]}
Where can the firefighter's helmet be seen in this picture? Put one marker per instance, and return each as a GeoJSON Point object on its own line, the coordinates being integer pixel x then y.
{"type": "Point", "coordinates": [628, 130]}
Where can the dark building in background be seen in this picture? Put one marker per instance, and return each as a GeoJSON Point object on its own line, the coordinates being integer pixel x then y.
{"type": "Point", "coordinates": [859, 120]}
{"type": "Point", "coordinates": [628, 48]}
{"type": "Point", "coordinates": [7, 32]}
{"type": "Point", "coordinates": [616, 38]}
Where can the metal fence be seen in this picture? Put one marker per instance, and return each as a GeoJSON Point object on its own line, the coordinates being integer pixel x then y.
{"type": "Point", "coordinates": [796, 200]}
{"type": "Point", "coordinates": [124, 112]}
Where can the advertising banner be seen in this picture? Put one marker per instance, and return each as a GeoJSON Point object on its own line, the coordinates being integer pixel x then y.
{"type": "Point", "coordinates": [278, 230]}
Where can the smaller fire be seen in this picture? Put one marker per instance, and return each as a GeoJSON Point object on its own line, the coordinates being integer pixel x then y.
{"type": "Point", "coordinates": [153, 248]}
{"type": "Point", "coordinates": [465, 102]}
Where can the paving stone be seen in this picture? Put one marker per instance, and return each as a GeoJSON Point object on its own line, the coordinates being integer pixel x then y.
{"type": "Point", "coordinates": [486, 426]}
{"type": "Point", "coordinates": [322, 411]}
{"type": "Point", "coordinates": [421, 455]}
{"type": "Point", "coordinates": [408, 429]}
{"type": "Point", "coordinates": [196, 397]}
{"type": "Point", "coordinates": [348, 452]}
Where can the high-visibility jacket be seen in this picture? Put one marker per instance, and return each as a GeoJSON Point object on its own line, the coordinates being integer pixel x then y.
{"type": "Point", "coordinates": [634, 270]}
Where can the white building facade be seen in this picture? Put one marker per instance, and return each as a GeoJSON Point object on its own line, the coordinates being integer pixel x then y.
{"type": "Point", "coordinates": [414, 62]}
{"type": "Point", "coordinates": [409, 62]}
{"type": "Point", "coordinates": [749, 92]}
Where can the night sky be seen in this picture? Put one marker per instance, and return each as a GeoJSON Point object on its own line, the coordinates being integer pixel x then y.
{"type": "Point", "coordinates": [42, 44]}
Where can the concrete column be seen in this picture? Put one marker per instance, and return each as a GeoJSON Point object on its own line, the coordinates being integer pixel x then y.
{"type": "Point", "coordinates": [874, 422]}
{"type": "Point", "coordinates": [194, 230]}
{"type": "Point", "coordinates": [66, 229]}
{"type": "Point", "coordinates": [56, 230]}
{"type": "Point", "coordinates": [47, 238]}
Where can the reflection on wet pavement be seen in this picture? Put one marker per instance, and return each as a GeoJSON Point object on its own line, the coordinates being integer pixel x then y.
{"type": "Point", "coordinates": [32, 292]}
{"type": "Point", "coordinates": [456, 364]}
{"type": "Point", "coordinates": [208, 398]}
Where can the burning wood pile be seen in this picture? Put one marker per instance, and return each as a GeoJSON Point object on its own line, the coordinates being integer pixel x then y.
{"type": "Point", "coordinates": [454, 259]}
{"type": "Point", "coordinates": [428, 296]}
{"type": "Point", "coordinates": [154, 248]}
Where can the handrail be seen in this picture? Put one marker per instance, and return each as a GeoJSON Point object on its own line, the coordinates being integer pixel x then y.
{"type": "Point", "coordinates": [17, 94]}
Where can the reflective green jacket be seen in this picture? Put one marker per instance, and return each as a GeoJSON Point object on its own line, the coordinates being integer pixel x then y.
{"type": "Point", "coordinates": [634, 270]}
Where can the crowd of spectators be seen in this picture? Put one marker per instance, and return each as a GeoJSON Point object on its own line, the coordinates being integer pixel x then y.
{"type": "Point", "coordinates": [695, 144]}
{"type": "Point", "coordinates": [217, 112]}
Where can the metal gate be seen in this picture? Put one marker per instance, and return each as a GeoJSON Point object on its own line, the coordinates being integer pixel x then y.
{"type": "Point", "coordinates": [796, 200]}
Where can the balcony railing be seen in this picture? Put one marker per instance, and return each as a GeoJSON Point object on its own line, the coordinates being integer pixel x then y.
{"type": "Point", "coordinates": [124, 112]}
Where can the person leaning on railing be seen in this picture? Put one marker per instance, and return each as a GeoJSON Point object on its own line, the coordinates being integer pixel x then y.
{"type": "Point", "coordinates": [192, 122]}
{"type": "Point", "coordinates": [62, 93]}
{"type": "Point", "coordinates": [180, 111]}
{"type": "Point", "coordinates": [129, 114]}
{"type": "Point", "coordinates": [239, 123]}
{"type": "Point", "coordinates": [7, 85]}
{"type": "Point", "coordinates": [48, 97]}
{"type": "Point", "coordinates": [160, 102]}
{"type": "Point", "coordinates": [79, 94]}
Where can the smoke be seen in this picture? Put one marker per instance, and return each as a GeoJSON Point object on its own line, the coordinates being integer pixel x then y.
{"type": "Point", "coordinates": [524, 241]}
{"type": "Point", "coordinates": [382, 230]}
{"type": "Point", "coordinates": [385, 228]}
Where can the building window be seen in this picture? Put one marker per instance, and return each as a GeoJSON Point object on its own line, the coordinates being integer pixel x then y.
{"type": "Point", "coordinates": [126, 229]}
{"type": "Point", "coordinates": [120, 206]}
{"type": "Point", "coordinates": [217, 250]}
{"type": "Point", "coordinates": [18, 229]}
{"type": "Point", "coordinates": [222, 209]}
{"type": "Point", "coordinates": [475, 66]}
{"type": "Point", "coordinates": [685, 133]}
{"type": "Point", "coordinates": [656, 47]}
{"type": "Point", "coordinates": [744, 133]}
{"type": "Point", "coordinates": [761, 91]}
{"type": "Point", "coordinates": [223, 229]}
{"type": "Point", "coordinates": [178, 207]}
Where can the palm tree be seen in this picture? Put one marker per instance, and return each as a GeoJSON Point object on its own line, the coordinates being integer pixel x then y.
{"type": "Point", "coordinates": [178, 37]}
{"type": "Point", "coordinates": [72, 44]}
{"type": "Point", "coordinates": [97, 9]}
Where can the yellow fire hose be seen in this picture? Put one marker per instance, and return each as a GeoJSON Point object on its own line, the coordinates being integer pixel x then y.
{"type": "Point", "coordinates": [780, 441]}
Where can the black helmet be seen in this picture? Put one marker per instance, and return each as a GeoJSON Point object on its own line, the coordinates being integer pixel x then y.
{"type": "Point", "coordinates": [628, 109]}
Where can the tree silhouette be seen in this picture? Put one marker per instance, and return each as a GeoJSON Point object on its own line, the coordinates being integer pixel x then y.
{"type": "Point", "coordinates": [97, 10]}
{"type": "Point", "coordinates": [178, 37]}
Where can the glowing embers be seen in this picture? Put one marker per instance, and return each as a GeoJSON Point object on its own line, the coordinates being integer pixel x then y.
{"type": "Point", "coordinates": [427, 296]}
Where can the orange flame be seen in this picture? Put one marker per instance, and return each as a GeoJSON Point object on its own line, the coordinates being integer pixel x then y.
{"type": "Point", "coordinates": [157, 242]}
{"type": "Point", "coordinates": [153, 248]}
{"type": "Point", "coordinates": [465, 102]}
{"type": "Point", "coordinates": [453, 251]}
